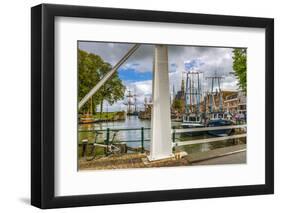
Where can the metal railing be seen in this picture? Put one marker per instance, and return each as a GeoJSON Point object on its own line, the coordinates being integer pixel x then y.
{"type": "Point", "coordinates": [107, 138]}
{"type": "Point", "coordinates": [210, 128]}
{"type": "Point", "coordinates": [207, 140]}
{"type": "Point", "coordinates": [174, 131]}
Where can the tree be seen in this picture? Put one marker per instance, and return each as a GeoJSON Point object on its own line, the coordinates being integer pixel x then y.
{"type": "Point", "coordinates": [91, 70]}
{"type": "Point", "coordinates": [178, 105]}
{"type": "Point", "coordinates": [240, 67]}
{"type": "Point", "coordinates": [88, 76]}
{"type": "Point", "coordinates": [112, 91]}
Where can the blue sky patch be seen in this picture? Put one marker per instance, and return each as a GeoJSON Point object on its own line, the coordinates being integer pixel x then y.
{"type": "Point", "coordinates": [192, 64]}
{"type": "Point", "coordinates": [133, 75]}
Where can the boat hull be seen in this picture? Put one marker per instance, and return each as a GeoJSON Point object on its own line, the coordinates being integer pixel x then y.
{"type": "Point", "coordinates": [190, 126]}
{"type": "Point", "coordinates": [133, 114]}
{"type": "Point", "coordinates": [221, 132]}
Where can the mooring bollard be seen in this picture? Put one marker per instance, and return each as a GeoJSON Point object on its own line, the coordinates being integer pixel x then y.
{"type": "Point", "coordinates": [174, 137]}
{"type": "Point", "coordinates": [107, 140]}
{"type": "Point", "coordinates": [142, 140]}
{"type": "Point", "coordinates": [107, 136]}
{"type": "Point", "coordinates": [174, 134]}
{"type": "Point", "coordinates": [84, 147]}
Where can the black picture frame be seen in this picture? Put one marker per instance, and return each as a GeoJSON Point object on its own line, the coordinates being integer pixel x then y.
{"type": "Point", "coordinates": [43, 105]}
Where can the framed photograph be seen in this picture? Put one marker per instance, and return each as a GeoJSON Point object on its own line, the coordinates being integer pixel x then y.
{"type": "Point", "coordinates": [136, 106]}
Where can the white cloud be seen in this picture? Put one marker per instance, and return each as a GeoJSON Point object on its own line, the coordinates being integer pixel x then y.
{"type": "Point", "coordinates": [113, 52]}
{"type": "Point", "coordinates": [213, 61]}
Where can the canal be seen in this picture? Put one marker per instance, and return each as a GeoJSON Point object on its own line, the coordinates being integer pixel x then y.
{"type": "Point", "coordinates": [133, 122]}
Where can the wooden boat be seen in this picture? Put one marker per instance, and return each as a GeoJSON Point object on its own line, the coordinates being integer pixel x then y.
{"type": "Point", "coordinates": [220, 122]}
{"type": "Point", "coordinates": [86, 119]}
{"type": "Point", "coordinates": [193, 121]}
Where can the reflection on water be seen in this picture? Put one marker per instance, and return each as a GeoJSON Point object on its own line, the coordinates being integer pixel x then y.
{"type": "Point", "coordinates": [133, 122]}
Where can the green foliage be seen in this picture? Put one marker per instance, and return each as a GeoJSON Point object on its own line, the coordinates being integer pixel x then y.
{"type": "Point", "coordinates": [178, 105]}
{"type": "Point", "coordinates": [109, 115]}
{"type": "Point", "coordinates": [91, 70]}
{"type": "Point", "coordinates": [240, 67]}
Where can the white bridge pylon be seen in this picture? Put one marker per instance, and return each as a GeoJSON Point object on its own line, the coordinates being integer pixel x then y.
{"type": "Point", "coordinates": [161, 142]}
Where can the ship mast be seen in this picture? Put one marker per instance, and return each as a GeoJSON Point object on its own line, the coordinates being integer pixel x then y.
{"type": "Point", "coordinates": [215, 79]}
{"type": "Point", "coordinates": [193, 91]}
{"type": "Point", "coordinates": [129, 101]}
{"type": "Point", "coordinates": [135, 100]}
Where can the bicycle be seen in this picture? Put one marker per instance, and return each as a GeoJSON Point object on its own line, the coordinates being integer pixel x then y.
{"type": "Point", "coordinates": [109, 149]}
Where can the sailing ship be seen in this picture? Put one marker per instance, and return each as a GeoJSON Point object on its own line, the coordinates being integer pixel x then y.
{"type": "Point", "coordinates": [87, 118]}
{"type": "Point", "coordinates": [193, 118]}
{"type": "Point", "coordinates": [131, 103]}
{"type": "Point", "coordinates": [217, 117]}
{"type": "Point", "coordinates": [197, 117]}
{"type": "Point", "coordinates": [146, 113]}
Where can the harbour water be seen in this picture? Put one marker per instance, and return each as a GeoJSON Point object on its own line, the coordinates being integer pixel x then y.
{"type": "Point", "coordinates": [133, 122]}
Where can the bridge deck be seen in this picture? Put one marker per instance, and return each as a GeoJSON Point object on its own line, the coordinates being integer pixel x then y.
{"type": "Point", "coordinates": [227, 155]}
{"type": "Point", "coordinates": [219, 153]}
{"type": "Point", "coordinates": [236, 158]}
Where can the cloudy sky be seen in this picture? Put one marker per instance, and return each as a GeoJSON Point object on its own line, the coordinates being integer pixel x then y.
{"type": "Point", "coordinates": [136, 72]}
